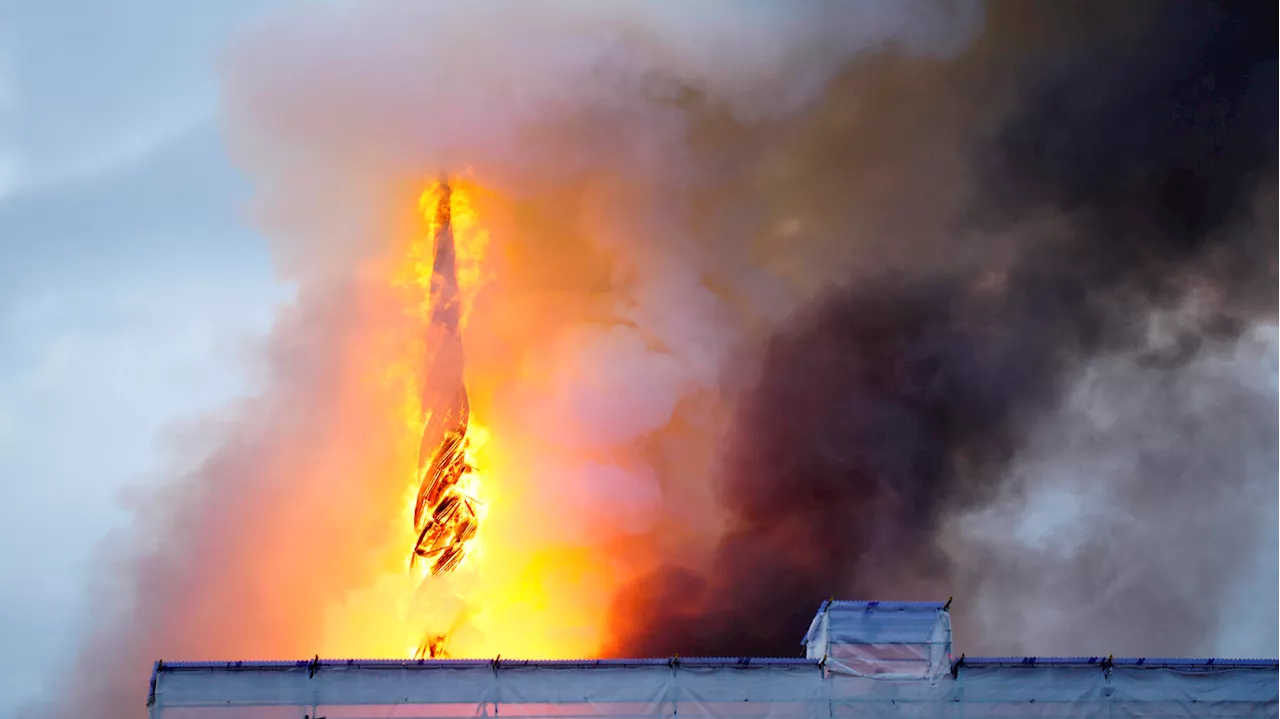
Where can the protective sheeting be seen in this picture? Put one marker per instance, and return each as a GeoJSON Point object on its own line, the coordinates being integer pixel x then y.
{"type": "Point", "coordinates": [710, 689]}
{"type": "Point", "coordinates": [889, 640]}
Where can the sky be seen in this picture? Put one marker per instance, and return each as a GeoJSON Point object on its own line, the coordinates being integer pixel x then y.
{"type": "Point", "coordinates": [134, 293]}
{"type": "Point", "coordinates": [132, 290]}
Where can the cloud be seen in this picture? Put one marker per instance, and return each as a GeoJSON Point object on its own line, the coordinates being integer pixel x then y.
{"type": "Point", "coordinates": [129, 290]}
{"type": "Point", "coordinates": [572, 110]}
{"type": "Point", "coordinates": [182, 194]}
{"type": "Point", "coordinates": [92, 86]}
{"type": "Point", "coordinates": [92, 380]}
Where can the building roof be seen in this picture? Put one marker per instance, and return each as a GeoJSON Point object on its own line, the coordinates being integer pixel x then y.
{"type": "Point", "coordinates": [864, 659]}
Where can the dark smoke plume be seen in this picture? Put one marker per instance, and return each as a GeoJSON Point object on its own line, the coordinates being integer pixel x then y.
{"type": "Point", "coordinates": [1118, 179]}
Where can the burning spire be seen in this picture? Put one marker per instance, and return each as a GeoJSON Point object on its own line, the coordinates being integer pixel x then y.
{"type": "Point", "coordinates": [445, 512]}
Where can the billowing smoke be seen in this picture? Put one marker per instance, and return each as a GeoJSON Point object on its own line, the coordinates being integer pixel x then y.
{"type": "Point", "coordinates": [1061, 428]}
{"type": "Point", "coordinates": [782, 301]}
{"type": "Point", "coordinates": [615, 150]}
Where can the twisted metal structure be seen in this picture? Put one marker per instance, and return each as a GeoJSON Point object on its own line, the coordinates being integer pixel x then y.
{"type": "Point", "coordinates": [445, 514]}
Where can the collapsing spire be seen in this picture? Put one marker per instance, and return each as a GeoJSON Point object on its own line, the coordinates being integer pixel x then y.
{"type": "Point", "coordinates": [444, 514]}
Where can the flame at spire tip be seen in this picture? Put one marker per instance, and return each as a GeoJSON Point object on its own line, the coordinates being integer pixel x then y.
{"type": "Point", "coordinates": [446, 513]}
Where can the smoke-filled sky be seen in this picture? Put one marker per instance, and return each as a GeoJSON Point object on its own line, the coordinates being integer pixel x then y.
{"type": "Point", "coordinates": [131, 291]}
{"type": "Point", "coordinates": [782, 301]}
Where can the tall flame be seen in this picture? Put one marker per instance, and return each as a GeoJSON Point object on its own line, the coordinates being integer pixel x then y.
{"type": "Point", "coordinates": [491, 568]}
{"type": "Point", "coordinates": [447, 509]}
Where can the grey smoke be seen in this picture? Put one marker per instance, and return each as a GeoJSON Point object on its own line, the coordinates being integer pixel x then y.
{"type": "Point", "coordinates": [614, 124]}
{"type": "Point", "coordinates": [778, 247]}
{"type": "Point", "coordinates": [1086, 172]}
{"type": "Point", "coordinates": [1139, 519]}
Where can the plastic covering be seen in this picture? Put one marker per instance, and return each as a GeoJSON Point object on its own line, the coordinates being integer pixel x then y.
{"type": "Point", "coordinates": [865, 660]}
{"type": "Point", "coordinates": [889, 640]}
{"type": "Point", "coordinates": [711, 689]}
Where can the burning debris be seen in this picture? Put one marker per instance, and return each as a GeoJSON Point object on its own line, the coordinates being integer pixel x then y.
{"type": "Point", "coordinates": [432, 647]}
{"type": "Point", "coordinates": [445, 512]}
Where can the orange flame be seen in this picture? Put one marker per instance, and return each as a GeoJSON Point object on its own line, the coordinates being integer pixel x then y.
{"type": "Point", "coordinates": [447, 509]}
{"type": "Point", "coordinates": [446, 514]}
{"type": "Point", "coordinates": [516, 592]}
{"type": "Point", "coordinates": [470, 239]}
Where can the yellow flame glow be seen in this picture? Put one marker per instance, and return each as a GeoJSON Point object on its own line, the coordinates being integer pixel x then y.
{"type": "Point", "coordinates": [471, 243]}
{"type": "Point", "coordinates": [516, 593]}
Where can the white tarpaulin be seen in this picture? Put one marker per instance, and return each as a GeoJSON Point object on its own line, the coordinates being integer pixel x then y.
{"type": "Point", "coordinates": [865, 660]}
{"type": "Point", "coordinates": [710, 689]}
{"type": "Point", "coordinates": [890, 640]}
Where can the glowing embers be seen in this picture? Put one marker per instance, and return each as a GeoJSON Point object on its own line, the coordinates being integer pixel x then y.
{"type": "Point", "coordinates": [432, 648]}
{"type": "Point", "coordinates": [445, 515]}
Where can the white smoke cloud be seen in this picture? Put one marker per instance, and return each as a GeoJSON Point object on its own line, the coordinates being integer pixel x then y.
{"type": "Point", "coordinates": [529, 97]}
{"type": "Point", "coordinates": [1139, 520]}
{"type": "Point", "coordinates": [339, 113]}
{"type": "Point", "coordinates": [421, 86]}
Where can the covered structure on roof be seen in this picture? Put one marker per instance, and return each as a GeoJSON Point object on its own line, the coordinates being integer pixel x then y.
{"type": "Point", "coordinates": [862, 660]}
